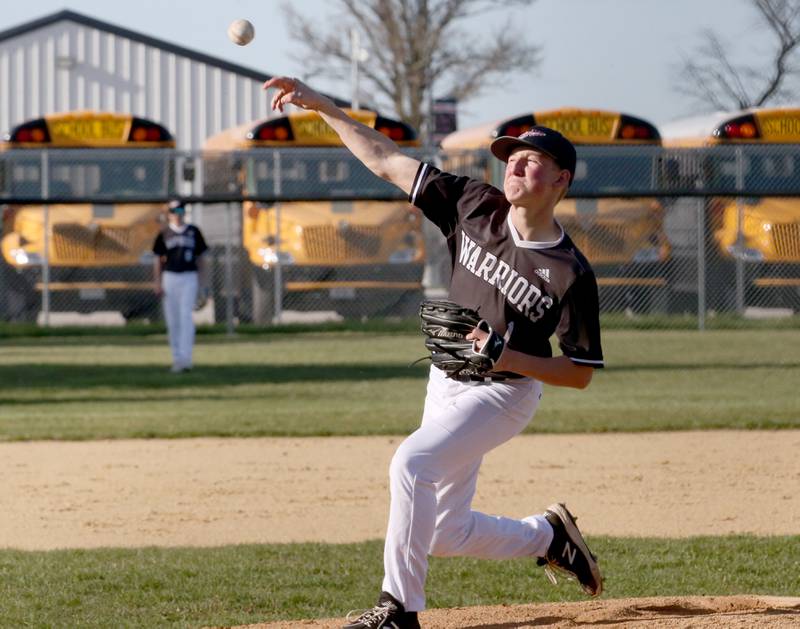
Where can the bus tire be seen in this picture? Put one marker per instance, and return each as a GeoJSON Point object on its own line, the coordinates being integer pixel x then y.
{"type": "Point", "coordinates": [385, 304]}
{"type": "Point", "coordinates": [263, 297]}
{"type": "Point", "coordinates": [19, 301]}
{"type": "Point", "coordinates": [147, 308]}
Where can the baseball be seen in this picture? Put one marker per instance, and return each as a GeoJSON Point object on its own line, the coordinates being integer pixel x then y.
{"type": "Point", "coordinates": [241, 32]}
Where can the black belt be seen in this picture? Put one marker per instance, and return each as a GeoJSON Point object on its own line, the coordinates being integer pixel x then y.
{"type": "Point", "coordinates": [470, 377]}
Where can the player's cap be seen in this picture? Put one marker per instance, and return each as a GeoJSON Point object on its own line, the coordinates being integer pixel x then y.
{"type": "Point", "coordinates": [539, 138]}
{"type": "Point", "coordinates": [177, 207]}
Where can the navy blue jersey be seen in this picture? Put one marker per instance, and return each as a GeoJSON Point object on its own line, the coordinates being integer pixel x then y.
{"type": "Point", "coordinates": [180, 249]}
{"type": "Point", "coordinates": [544, 288]}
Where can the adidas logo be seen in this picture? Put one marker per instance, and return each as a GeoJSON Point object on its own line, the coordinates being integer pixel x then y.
{"type": "Point", "coordinates": [543, 273]}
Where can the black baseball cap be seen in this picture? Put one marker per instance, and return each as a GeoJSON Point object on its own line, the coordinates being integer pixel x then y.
{"type": "Point", "coordinates": [177, 207]}
{"type": "Point", "coordinates": [539, 138]}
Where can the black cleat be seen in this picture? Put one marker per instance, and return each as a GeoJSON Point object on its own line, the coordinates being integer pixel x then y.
{"type": "Point", "coordinates": [387, 614]}
{"type": "Point", "coordinates": [568, 552]}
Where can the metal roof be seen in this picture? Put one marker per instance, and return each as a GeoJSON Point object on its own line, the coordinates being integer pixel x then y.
{"type": "Point", "coordinates": [79, 18]}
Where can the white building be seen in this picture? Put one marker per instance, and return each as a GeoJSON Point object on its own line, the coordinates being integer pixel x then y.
{"type": "Point", "coordinates": [68, 61]}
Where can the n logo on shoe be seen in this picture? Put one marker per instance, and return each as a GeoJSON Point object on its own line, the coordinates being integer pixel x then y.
{"type": "Point", "coordinates": [569, 552]}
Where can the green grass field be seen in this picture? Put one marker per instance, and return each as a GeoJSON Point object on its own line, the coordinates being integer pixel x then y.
{"type": "Point", "coordinates": [353, 383]}
{"type": "Point", "coordinates": [249, 584]}
{"type": "Point", "coordinates": [350, 383]}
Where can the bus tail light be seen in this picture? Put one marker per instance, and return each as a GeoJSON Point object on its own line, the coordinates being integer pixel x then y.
{"type": "Point", "coordinates": [278, 130]}
{"type": "Point", "coordinates": [741, 128]}
{"type": "Point", "coordinates": [397, 131]}
{"type": "Point", "coordinates": [631, 128]}
{"type": "Point", "coordinates": [515, 127]}
{"type": "Point", "coordinates": [33, 132]}
{"type": "Point", "coordinates": [146, 131]}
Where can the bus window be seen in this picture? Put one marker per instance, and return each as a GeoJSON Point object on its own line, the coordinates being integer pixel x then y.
{"type": "Point", "coordinates": [339, 238]}
{"type": "Point", "coordinates": [333, 171]}
{"type": "Point", "coordinates": [98, 255]}
{"type": "Point", "coordinates": [624, 239]}
{"type": "Point", "coordinates": [753, 239]}
{"type": "Point", "coordinates": [779, 167]}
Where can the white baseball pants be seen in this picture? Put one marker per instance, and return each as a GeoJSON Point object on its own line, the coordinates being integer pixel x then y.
{"type": "Point", "coordinates": [433, 476]}
{"type": "Point", "coordinates": [180, 294]}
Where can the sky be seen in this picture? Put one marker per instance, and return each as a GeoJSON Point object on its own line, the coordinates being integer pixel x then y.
{"type": "Point", "coordinates": [605, 54]}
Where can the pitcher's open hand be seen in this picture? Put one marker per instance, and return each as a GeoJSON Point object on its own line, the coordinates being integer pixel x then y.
{"type": "Point", "coordinates": [290, 91]}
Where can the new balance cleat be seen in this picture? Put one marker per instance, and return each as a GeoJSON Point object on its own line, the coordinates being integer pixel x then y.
{"type": "Point", "coordinates": [568, 554]}
{"type": "Point", "coordinates": [387, 614]}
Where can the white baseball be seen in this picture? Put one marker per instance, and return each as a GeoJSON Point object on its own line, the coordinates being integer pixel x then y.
{"type": "Point", "coordinates": [241, 32]}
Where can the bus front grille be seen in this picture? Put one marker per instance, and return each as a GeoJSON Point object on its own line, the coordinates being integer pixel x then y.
{"type": "Point", "coordinates": [328, 243]}
{"type": "Point", "coordinates": [786, 237]}
{"type": "Point", "coordinates": [76, 244]}
{"type": "Point", "coordinates": [602, 243]}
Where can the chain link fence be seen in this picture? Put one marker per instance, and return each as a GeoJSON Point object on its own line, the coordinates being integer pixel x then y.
{"type": "Point", "coordinates": [677, 237]}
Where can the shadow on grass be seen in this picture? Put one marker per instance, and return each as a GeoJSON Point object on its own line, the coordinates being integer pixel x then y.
{"type": "Point", "coordinates": [149, 376]}
{"type": "Point", "coordinates": [135, 334]}
{"type": "Point", "coordinates": [134, 377]}
{"type": "Point", "coordinates": [156, 339]}
{"type": "Point", "coordinates": [700, 366]}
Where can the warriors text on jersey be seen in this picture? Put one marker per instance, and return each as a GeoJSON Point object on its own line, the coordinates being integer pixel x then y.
{"type": "Point", "coordinates": [544, 288]}
{"type": "Point", "coordinates": [180, 247]}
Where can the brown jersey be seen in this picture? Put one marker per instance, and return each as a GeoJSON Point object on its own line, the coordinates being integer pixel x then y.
{"type": "Point", "coordinates": [544, 288]}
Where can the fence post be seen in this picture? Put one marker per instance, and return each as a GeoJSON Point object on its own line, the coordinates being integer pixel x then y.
{"type": "Point", "coordinates": [701, 263]}
{"type": "Point", "coordinates": [45, 174]}
{"type": "Point", "coordinates": [739, 246]}
{"type": "Point", "coordinates": [278, 271]}
{"type": "Point", "coordinates": [228, 271]}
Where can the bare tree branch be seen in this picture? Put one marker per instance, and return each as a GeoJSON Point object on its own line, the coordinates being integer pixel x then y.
{"type": "Point", "coordinates": [416, 50]}
{"type": "Point", "coordinates": [782, 19]}
{"type": "Point", "coordinates": [710, 76]}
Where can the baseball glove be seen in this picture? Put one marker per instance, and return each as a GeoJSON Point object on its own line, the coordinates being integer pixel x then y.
{"type": "Point", "coordinates": [203, 295]}
{"type": "Point", "coordinates": [446, 325]}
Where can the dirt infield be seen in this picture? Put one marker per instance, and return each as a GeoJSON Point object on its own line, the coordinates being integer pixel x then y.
{"type": "Point", "coordinates": [209, 492]}
{"type": "Point", "coordinates": [717, 612]}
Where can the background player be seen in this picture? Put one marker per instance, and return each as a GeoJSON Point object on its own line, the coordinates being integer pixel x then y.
{"type": "Point", "coordinates": [514, 264]}
{"type": "Point", "coordinates": [179, 272]}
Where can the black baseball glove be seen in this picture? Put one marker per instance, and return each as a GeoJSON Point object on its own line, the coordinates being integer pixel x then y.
{"type": "Point", "coordinates": [203, 295]}
{"type": "Point", "coordinates": [446, 325]}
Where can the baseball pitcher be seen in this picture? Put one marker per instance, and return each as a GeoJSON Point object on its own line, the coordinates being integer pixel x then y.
{"type": "Point", "coordinates": [517, 280]}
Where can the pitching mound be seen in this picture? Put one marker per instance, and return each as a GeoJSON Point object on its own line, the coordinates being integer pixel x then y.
{"type": "Point", "coordinates": [731, 612]}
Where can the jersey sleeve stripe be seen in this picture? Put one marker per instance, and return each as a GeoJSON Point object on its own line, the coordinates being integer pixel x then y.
{"type": "Point", "coordinates": [586, 361]}
{"type": "Point", "coordinates": [412, 198]}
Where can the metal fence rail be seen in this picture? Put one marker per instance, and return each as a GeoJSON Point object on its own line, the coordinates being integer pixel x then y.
{"type": "Point", "coordinates": [674, 235]}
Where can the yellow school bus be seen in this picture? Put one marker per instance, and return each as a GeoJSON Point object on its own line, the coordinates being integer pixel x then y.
{"type": "Point", "coordinates": [98, 254]}
{"type": "Point", "coordinates": [349, 242]}
{"type": "Point", "coordinates": [753, 238]}
{"type": "Point", "coordinates": [624, 239]}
